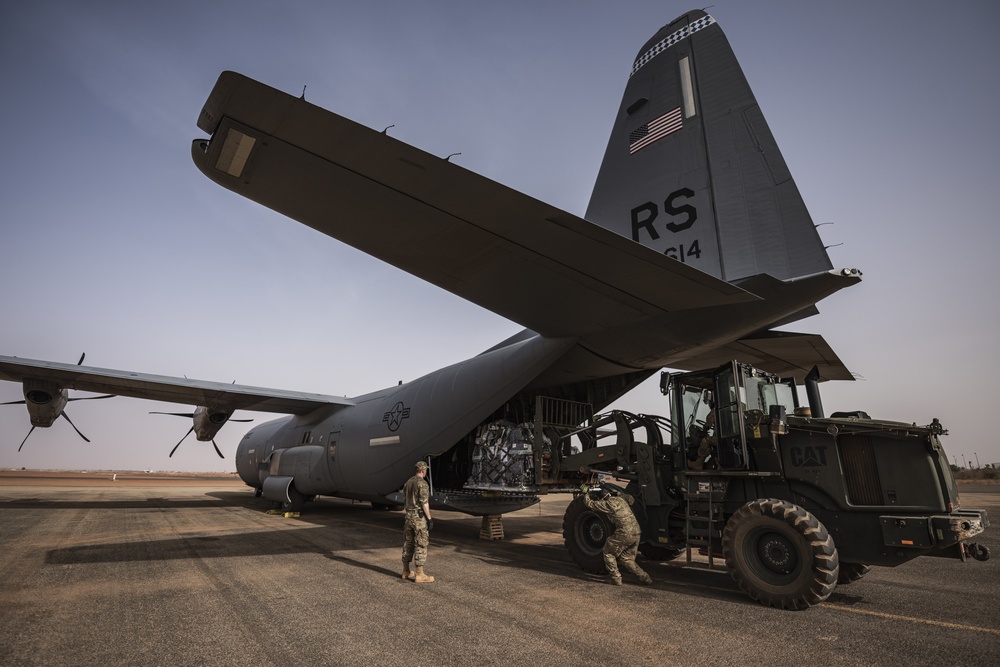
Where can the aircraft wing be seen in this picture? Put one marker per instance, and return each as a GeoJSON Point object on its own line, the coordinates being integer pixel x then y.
{"type": "Point", "coordinates": [785, 353]}
{"type": "Point", "coordinates": [541, 267]}
{"type": "Point", "coordinates": [163, 388]}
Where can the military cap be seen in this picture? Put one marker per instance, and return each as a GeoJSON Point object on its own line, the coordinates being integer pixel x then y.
{"type": "Point", "coordinates": [421, 465]}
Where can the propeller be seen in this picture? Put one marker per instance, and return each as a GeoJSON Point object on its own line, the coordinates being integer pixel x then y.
{"type": "Point", "coordinates": [32, 430]}
{"type": "Point", "coordinates": [44, 397]}
{"type": "Point", "coordinates": [190, 430]}
{"type": "Point", "coordinates": [66, 417]}
{"type": "Point", "coordinates": [212, 418]}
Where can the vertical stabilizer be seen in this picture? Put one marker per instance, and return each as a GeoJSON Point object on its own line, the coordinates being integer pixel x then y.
{"type": "Point", "coordinates": [691, 169]}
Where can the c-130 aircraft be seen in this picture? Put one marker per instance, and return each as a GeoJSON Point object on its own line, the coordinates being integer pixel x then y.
{"type": "Point", "coordinates": [695, 246]}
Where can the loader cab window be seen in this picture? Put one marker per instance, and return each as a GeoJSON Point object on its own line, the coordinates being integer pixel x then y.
{"type": "Point", "coordinates": [780, 393]}
{"type": "Point", "coordinates": [692, 404]}
{"type": "Point", "coordinates": [731, 403]}
{"type": "Point", "coordinates": [732, 400]}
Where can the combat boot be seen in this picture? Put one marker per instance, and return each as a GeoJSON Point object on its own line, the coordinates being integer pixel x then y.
{"type": "Point", "coordinates": [645, 579]}
{"type": "Point", "coordinates": [615, 581]}
{"type": "Point", "coordinates": [407, 572]}
{"type": "Point", "coordinates": [422, 578]}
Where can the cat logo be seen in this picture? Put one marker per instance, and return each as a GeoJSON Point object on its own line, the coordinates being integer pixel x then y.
{"type": "Point", "coordinates": [808, 457]}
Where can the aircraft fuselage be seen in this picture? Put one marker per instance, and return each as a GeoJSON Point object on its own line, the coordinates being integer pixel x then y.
{"type": "Point", "coordinates": [367, 451]}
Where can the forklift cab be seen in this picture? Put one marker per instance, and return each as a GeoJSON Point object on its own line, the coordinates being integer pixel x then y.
{"type": "Point", "coordinates": [714, 412]}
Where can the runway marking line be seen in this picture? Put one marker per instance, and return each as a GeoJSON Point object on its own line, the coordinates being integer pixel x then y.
{"type": "Point", "coordinates": [912, 619]}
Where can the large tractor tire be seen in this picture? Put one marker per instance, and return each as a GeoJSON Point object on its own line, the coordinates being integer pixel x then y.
{"type": "Point", "coordinates": [851, 572]}
{"type": "Point", "coordinates": [585, 533]}
{"type": "Point", "coordinates": [780, 555]}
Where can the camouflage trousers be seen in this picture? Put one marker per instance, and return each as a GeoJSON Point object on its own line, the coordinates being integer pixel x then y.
{"type": "Point", "coordinates": [415, 540]}
{"type": "Point", "coordinates": [621, 548]}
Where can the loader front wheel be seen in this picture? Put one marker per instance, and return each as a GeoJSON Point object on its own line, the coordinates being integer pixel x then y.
{"type": "Point", "coordinates": [584, 534]}
{"type": "Point", "coordinates": [780, 555]}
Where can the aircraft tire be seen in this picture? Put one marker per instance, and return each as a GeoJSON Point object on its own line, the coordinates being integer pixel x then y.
{"type": "Point", "coordinates": [851, 572]}
{"type": "Point", "coordinates": [780, 555]}
{"type": "Point", "coordinates": [296, 502]}
{"type": "Point", "coordinates": [584, 534]}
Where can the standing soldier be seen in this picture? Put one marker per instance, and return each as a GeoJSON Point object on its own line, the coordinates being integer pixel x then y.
{"type": "Point", "coordinates": [621, 546]}
{"type": "Point", "coordinates": [416, 534]}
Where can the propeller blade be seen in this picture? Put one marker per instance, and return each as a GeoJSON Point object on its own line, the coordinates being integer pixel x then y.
{"type": "Point", "coordinates": [63, 414]}
{"type": "Point", "coordinates": [26, 438]}
{"type": "Point", "coordinates": [14, 403]}
{"type": "Point", "coordinates": [80, 363]}
{"type": "Point", "coordinates": [217, 450]}
{"type": "Point", "coordinates": [91, 398]}
{"type": "Point", "coordinates": [189, 415]}
{"type": "Point", "coordinates": [237, 420]}
{"type": "Point", "coordinates": [180, 441]}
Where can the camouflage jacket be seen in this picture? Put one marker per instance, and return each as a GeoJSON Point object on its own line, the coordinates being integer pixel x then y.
{"type": "Point", "coordinates": [617, 510]}
{"type": "Point", "coordinates": [416, 492]}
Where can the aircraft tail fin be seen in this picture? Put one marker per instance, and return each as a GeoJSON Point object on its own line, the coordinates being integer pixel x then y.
{"type": "Point", "coordinates": [692, 169]}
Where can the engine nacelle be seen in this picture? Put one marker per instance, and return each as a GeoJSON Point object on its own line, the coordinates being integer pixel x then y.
{"type": "Point", "coordinates": [45, 401]}
{"type": "Point", "coordinates": [306, 464]}
{"type": "Point", "coordinates": [208, 421]}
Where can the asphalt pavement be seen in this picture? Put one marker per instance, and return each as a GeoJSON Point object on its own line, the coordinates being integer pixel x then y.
{"type": "Point", "coordinates": [159, 573]}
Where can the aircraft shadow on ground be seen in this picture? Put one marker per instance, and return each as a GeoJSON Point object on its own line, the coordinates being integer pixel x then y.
{"type": "Point", "coordinates": [337, 528]}
{"type": "Point", "coordinates": [147, 503]}
{"type": "Point", "coordinates": [461, 533]}
{"type": "Point", "coordinates": [357, 521]}
{"type": "Point", "coordinates": [267, 542]}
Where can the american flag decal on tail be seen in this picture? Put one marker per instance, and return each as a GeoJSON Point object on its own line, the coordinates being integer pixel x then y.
{"type": "Point", "coordinates": [654, 130]}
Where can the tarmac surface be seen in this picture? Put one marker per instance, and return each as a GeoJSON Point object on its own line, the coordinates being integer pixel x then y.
{"type": "Point", "coordinates": [186, 570]}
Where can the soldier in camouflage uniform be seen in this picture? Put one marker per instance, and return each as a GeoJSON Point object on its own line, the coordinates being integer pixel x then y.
{"type": "Point", "coordinates": [621, 546]}
{"type": "Point", "coordinates": [416, 533]}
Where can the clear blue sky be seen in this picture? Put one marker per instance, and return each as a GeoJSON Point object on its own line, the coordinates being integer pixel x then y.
{"type": "Point", "coordinates": [114, 244]}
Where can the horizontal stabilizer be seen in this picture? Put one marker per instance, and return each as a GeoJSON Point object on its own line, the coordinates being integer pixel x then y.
{"type": "Point", "coordinates": [785, 353]}
{"type": "Point", "coordinates": [162, 388]}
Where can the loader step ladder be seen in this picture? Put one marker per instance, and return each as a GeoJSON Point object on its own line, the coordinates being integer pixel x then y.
{"type": "Point", "coordinates": [703, 518]}
{"type": "Point", "coordinates": [704, 514]}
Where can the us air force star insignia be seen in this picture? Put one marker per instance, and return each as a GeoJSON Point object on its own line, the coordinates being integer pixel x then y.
{"type": "Point", "coordinates": [396, 416]}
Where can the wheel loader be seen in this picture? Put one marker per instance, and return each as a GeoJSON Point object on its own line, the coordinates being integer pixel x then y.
{"type": "Point", "coordinates": [793, 502]}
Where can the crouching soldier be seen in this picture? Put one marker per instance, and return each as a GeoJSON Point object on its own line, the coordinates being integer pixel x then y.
{"type": "Point", "coordinates": [621, 546]}
{"type": "Point", "coordinates": [416, 532]}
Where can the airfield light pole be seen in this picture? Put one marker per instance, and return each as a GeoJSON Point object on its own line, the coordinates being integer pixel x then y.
{"type": "Point", "coordinates": [977, 459]}
{"type": "Point", "coordinates": [964, 464]}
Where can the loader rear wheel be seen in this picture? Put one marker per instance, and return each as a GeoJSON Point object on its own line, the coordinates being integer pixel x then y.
{"type": "Point", "coordinates": [585, 533]}
{"type": "Point", "coordinates": [851, 572]}
{"type": "Point", "coordinates": [780, 555]}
